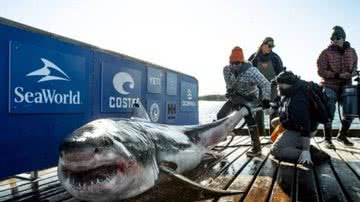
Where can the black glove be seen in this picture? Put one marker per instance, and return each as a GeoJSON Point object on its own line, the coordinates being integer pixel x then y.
{"type": "Point", "coordinates": [265, 104]}
{"type": "Point", "coordinates": [229, 93]}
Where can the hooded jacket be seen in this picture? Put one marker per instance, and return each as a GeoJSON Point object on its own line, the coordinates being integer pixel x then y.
{"type": "Point", "coordinates": [294, 110]}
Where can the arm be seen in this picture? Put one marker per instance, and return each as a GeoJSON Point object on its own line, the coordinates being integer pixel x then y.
{"type": "Point", "coordinates": [322, 64]}
{"type": "Point", "coordinates": [262, 83]}
{"type": "Point", "coordinates": [299, 113]}
{"type": "Point", "coordinates": [278, 65]}
{"type": "Point", "coordinates": [252, 58]}
{"type": "Point", "coordinates": [354, 67]}
{"type": "Point", "coordinates": [229, 77]}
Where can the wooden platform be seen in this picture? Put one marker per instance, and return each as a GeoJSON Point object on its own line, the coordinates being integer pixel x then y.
{"type": "Point", "coordinates": [261, 179]}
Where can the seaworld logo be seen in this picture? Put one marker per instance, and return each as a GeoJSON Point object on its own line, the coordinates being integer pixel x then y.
{"type": "Point", "coordinates": [48, 72]}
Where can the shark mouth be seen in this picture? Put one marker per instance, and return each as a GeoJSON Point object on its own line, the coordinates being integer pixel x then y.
{"type": "Point", "coordinates": [84, 179]}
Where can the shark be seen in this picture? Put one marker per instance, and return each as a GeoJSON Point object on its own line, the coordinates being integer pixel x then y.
{"type": "Point", "coordinates": [117, 158]}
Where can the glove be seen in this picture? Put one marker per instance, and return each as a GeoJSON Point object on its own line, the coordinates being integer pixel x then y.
{"type": "Point", "coordinates": [229, 93]}
{"type": "Point", "coordinates": [265, 104]}
{"type": "Point", "coordinates": [305, 157]}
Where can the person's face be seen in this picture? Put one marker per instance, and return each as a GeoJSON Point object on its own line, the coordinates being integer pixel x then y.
{"type": "Point", "coordinates": [265, 48]}
{"type": "Point", "coordinates": [338, 41]}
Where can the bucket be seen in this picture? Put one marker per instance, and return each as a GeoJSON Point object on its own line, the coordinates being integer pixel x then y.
{"type": "Point", "coordinates": [349, 99]}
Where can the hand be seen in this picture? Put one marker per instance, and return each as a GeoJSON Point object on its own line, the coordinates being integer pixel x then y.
{"type": "Point", "coordinates": [305, 158]}
{"type": "Point", "coordinates": [345, 75]}
{"type": "Point", "coordinates": [265, 104]}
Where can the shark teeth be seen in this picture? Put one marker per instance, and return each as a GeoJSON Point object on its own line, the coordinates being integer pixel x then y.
{"type": "Point", "coordinates": [82, 180]}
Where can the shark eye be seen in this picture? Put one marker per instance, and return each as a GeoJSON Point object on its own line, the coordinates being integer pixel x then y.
{"type": "Point", "coordinates": [96, 150]}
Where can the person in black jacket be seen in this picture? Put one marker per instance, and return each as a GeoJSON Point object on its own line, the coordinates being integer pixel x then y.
{"type": "Point", "coordinates": [295, 116]}
{"type": "Point", "coordinates": [270, 65]}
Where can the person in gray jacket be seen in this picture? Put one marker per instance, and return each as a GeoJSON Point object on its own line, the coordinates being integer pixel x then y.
{"type": "Point", "coordinates": [243, 81]}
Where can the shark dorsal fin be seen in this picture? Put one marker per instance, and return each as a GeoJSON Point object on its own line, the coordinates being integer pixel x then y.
{"type": "Point", "coordinates": [139, 112]}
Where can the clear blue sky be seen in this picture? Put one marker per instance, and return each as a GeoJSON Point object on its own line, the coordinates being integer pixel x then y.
{"type": "Point", "coordinates": [196, 36]}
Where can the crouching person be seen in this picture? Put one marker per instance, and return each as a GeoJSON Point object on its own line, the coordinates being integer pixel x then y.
{"type": "Point", "coordinates": [242, 84]}
{"type": "Point", "coordinates": [293, 145]}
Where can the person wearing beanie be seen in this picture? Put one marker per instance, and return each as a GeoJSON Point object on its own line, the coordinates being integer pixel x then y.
{"type": "Point", "coordinates": [242, 89]}
{"type": "Point", "coordinates": [293, 145]}
{"type": "Point", "coordinates": [270, 65]}
{"type": "Point", "coordinates": [336, 66]}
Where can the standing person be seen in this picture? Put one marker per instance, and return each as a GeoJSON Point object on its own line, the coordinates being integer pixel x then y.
{"type": "Point", "coordinates": [336, 65]}
{"type": "Point", "coordinates": [270, 65]}
{"type": "Point", "coordinates": [242, 85]}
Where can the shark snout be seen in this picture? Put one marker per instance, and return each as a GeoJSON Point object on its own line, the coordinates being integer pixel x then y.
{"type": "Point", "coordinates": [84, 155]}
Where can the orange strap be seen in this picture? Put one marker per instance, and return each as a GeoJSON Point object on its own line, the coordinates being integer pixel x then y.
{"type": "Point", "coordinates": [279, 129]}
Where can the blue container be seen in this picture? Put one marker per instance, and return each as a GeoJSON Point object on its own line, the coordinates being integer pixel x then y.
{"type": "Point", "coordinates": [51, 85]}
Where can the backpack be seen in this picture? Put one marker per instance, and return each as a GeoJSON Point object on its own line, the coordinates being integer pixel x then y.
{"type": "Point", "coordinates": [319, 103]}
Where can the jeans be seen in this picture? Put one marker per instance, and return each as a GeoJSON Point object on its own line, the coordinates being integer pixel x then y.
{"type": "Point", "coordinates": [333, 97]}
{"type": "Point", "coordinates": [288, 146]}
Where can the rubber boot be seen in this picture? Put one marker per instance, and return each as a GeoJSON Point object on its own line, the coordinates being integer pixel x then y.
{"type": "Point", "coordinates": [328, 135]}
{"type": "Point", "coordinates": [260, 123]}
{"type": "Point", "coordinates": [342, 134]}
{"type": "Point", "coordinates": [255, 141]}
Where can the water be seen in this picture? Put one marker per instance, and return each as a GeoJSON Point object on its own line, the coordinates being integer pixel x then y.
{"type": "Point", "coordinates": [209, 109]}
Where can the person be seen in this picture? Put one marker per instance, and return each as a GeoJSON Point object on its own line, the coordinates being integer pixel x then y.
{"type": "Point", "coordinates": [336, 66]}
{"type": "Point", "coordinates": [270, 65]}
{"type": "Point", "coordinates": [242, 85]}
{"type": "Point", "coordinates": [293, 145]}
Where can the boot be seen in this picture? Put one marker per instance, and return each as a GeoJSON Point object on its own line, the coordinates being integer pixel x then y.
{"type": "Point", "coordinates": [259, 117]}
{"type": "Point", "coordinates": [342, 134]}
{"type": "Point", "coordinates": [328, 135]}
{"type": "Point", "coordinates": [318, 157]}
{"type": "Point", "coordinates": [255, 141]}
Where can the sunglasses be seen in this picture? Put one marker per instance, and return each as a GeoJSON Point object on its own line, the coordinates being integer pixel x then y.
{"type": "Point", "coordinates": [271, 45]}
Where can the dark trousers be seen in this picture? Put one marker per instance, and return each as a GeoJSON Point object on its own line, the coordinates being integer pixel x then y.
{"type": "Point", "coordinates": [333, 97]}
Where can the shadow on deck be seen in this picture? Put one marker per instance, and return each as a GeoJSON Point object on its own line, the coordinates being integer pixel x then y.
{"type": "Point", "coordinates": [260, 178]}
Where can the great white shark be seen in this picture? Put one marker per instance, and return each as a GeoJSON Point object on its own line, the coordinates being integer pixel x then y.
{"type": "Point", "coordinates": [116, 158]}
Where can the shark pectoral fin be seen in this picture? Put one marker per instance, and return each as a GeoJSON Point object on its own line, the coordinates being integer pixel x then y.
{"type": "Point", "coordinates": [194, 185]}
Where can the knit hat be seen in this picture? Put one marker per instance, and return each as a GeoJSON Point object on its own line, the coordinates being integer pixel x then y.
{"type": "Point", "coordinates": [338, 32]}
{"type": "Point", "coordinates": [269, 41]}
{"type": "Point", "coordinates": [236, 55]}
{"type": "Point", "coordinates": [287, 77]}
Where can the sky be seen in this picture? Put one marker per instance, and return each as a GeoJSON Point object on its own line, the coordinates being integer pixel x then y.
{"type": "Point", "coordinates": [196, 36]}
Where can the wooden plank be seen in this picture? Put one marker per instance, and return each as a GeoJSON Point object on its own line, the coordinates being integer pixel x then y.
{"type": "Point", "coordinates": [246, 177]}
{"type": "Point", "coordinates": [29, 193]}
{"type": "Point", "coordinates": [213, 170]}
{"type": "Point", "coordinates": [329, 188]}
{"type": "Point", "coordinates": [348, 154]}
{"type": "Point", "coordinates": [284, 187]}
{"type": "Point", "coordinates": [262, 185]}
{"type": "Point", "coordinates": [60, 197]}
{"type": "Point", "coordinates": [347, 178]}
{"type": "Point", "coordinates": [305, 184]}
